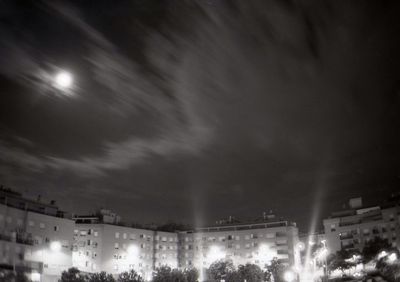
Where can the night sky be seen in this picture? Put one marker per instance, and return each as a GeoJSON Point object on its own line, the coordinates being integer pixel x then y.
{"type": "Point", "coordinates": [192, 111]}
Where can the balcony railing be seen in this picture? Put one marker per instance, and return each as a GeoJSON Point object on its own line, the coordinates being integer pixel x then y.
{"type": "Point", "coordinates": [16, 239]}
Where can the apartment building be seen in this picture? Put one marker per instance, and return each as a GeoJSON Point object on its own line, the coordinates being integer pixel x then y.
{"type": "Point", "coordinates": [35, 237]}
{"type": "Point", "coordinates": [39, 239]}
{"type": "Point", "coordinates": [257, 242]}
{"type": "Point", "coordinates": [101, 243]}
{"type": "Point", "coordinates": [351, 228]}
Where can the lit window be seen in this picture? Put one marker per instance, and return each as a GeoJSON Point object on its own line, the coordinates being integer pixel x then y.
{"type": "Point", "coordinates": [95, 233]}
{"type": "Point", "coordinates": [42, 225]}
{"type": "Point", "coordinates": [116, 235]}
{"type": "Point", "coordinates": [116, 245]}
{"type": "Point", "coordinates": [124, 236]}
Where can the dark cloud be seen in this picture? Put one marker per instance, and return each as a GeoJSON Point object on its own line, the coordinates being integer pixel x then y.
{"type": "Point", "coordinates": [201, 109]}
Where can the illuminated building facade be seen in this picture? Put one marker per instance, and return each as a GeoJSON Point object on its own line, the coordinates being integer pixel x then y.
{"type": "Point", "coordinates": [101, 244]}
{"type": "Point", "coordinates": [256, 243]}
{"type": "Point", "coordinates": [34, 237]}
{"type": "Point", "coordinates": [42, 241]}
{"type": "Point", "coordinates": [351, 228]}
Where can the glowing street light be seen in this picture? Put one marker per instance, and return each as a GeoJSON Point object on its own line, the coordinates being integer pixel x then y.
{"type": "Point", "coordinates": [35, 277]}
{"type": "Point", "coordinates": [215, 254]}
{"type": "Point", "coordinates": [289, 276]}
{"type": "Point", "coordinates": [382, 254]}
{"type": "Point", "coordinates": [133, 250]}
{"type": "Point", "coordinates": [55, 246]}
{"type": "Point", "coordinates": [392, 257]}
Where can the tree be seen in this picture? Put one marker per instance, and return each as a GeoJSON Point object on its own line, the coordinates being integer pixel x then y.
{"type": "Point", "coordinates": [101, 277]}
{"type": "Point", "coordinates": [250, 272]}
{"type": "Point", "coordinates": [11, 276]}
{"type": "Point", "coordinates": [131, 276]}
{"type": "Point", "coordinates": [192, 275]}
{"type": "Point", "coordinates": [219, 270]}
{"type": "Point", "coordinates": [374, 247]}
{"type": "Point", "coordinates": [338, 261]}
{"type": "Point", "coordinates": [72, 275]}
{"type": "Point", "coordinates": [166, 274]}
{"type": "Point", "coordinates": [276, 268]}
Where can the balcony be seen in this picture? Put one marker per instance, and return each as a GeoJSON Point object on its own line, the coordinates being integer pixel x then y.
{"type": "Point", "coordinates": [19, 239]}
{"type": "Point", "coordinates": [346, 236]}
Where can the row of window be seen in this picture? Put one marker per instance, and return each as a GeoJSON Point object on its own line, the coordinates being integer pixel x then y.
{"type": "Point", "coordinates": [31, 223]}
{"type": "Point", "coordinates": [237, 237]}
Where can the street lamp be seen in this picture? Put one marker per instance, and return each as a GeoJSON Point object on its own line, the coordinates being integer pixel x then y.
{"type": "Point", "coordinates": [289, 276]}
{"type": "Point", "coordinates": [392, 257]}
{"type": "Point", "coordinates": [215, 254]}
{"type": "Point", "coordinates": [55, 246]}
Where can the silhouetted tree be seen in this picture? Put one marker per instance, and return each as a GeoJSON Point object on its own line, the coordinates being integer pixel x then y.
{"type": "Point", "coordinates": [166, 274]}
{"type": "Point", "coordinates": [192, 275]}
{"type": "Point", "coordinates": [131, 276]}
{"type": "Point", "coordinates": [219, 270]}
{"type": "Point", "coordinates": [250, 272]}
{"type": "Point", "coordinates": [276, 268]}
{"type": "Point", "coordinates": [101, 277]}
{"type": "Point", "coordinates": [374, 247]}
{"type": "Point", "coordinates": [338, 261]}
{"type": "Point", "coordinates": [72, 275]}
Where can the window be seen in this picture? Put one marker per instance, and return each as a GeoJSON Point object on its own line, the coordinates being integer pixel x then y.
{"type": "Point", "coordinates": [333, 227]}
{"type": "Point", "coordinates": [42, 225]}
{"type": "Point", "coordinates": [237, 238]}
{"type": "Point", "coordinates": [124, 236]}
{"type": "Point", "coordinates": [270, 235]}
{"type": "Point", "coordinates": [247, 237]}
{"type": "Point", "coordinates": [95, 233]}
{"type": "Point", "coordinates": [56, 228]}
{"type": "Point", "coordinates": [116, 246]}
{"type": "Point", "coordinates": [116, 235]}
{"type": "Point", "coordinates": [19, 222]}
{"type": "Point", "coordinates": [132, 236]}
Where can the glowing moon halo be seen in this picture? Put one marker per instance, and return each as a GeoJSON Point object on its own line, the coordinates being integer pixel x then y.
{"type": "Point", "coordinates": [63, 80]}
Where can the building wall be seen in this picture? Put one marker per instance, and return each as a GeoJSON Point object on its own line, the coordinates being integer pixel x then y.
{"type": "Point", "coordinates": [34, 234]}
{"type": "Point", "coordinates": [257, 246]}
{"type": "Point", "coordinates": [115, 249]}
{"type": "Point", "coordinates": [353, 231]}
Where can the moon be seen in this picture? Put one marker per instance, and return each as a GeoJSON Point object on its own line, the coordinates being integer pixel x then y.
{"type": "Point", "coordinates": [63, 80]}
